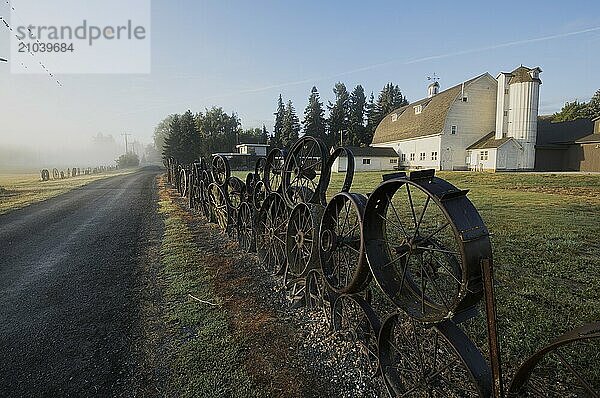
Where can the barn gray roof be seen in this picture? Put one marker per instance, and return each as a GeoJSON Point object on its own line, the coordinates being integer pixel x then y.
{"type": "Point", "coordinates": [430, 121]}
{"type": "Point", "coordinates": [489, 142]}
{"type": "Point", "coordinates": [522, 75]}
{"type": "Point", "coordinates": [589, 139]}
{"type": "Point", "coordinates": [373, 151]}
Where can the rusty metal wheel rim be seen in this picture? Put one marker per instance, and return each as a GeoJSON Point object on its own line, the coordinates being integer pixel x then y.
{"type": "Point", "coordinates": [245, 226]}
{"type": "Point", "coordinates": [270, 234]}
{"type": "Point", "coordinates": [304, 167]}
{"type": "Point", "coordinates": [302, 239]}
{"type": "Point", "coordinates": [220, 170]}
{"type": "Point", "coordinates": [341, 250]}
{"type": "Point", "coordinates": [424, 240]}
{"type": "Point", "coordinates": [546, 372]}
{"type": "Point", "coordinates": [259, 195]}
{"type": "Point", "coordinates": [273, 170]}
{"type": "Point", "coordinates": [219, 206]}
{"type": "Point", "coordinates": [353, 319]}
{"type": "Point", "coordinates": [438, 360]}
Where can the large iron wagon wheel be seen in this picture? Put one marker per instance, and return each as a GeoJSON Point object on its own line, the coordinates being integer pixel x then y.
{"type": "Point", "coordinates": [567, 367]}
{"type": "Point", "coordinates": [45, 174]}
{"type": "Point", "coordinates": [270, 233]}
{"type": "Point", "coordinates": [273, 169]}
{"type": "Point", "coordinates": [318, 295]}
{"type": "Point", "coordinates": [342, 159]}
{"type": "Point", "coordinates": [354, 320]}
{"type": "Point", "coordinates": [438, 360]}
{"type": "Point", "coordinates": [55, 174]}
{"type": "Point", "coordinates": [235, 192]}
{"type": "Point", "coordinates": [250, 183]}
{"type": "Point", "coordinates": [259, 169]}
{"type": "Point", "coordinates": [219, 206]}
{"type": "Point", "coordinates": [424, 242]}
{"type": "Point", "coordinates": [183, 182]}
{"type": "Point", "coordinates": [302, 239]}
{"type": "Point", "coordinates": [245, 228]}
{"type": "Point", "coordinates": [220, 170]}
{"type": "Point", "coordinates": [342, 244]}
{"type": "Point", "coordinates": [304, 167]}
{"type": "Point", "coordinates": [259, 195]}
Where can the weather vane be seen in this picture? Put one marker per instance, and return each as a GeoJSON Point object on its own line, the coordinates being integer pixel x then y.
{"type": "Point", "coordinates": [435, 77]}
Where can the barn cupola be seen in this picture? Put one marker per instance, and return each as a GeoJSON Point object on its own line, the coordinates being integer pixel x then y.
{"type": "Point", "coordinates": [433, 89]}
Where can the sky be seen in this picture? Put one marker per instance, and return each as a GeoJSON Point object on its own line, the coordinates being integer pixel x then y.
{"type": "Point", "coordinates": [241, 55]}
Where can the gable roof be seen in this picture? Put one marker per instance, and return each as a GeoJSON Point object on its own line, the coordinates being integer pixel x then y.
{"type": "Point", "coordinates": [430, 121]}
{"type": "Point", "coordinates": [549, 133]}
{"type": "Point", "coordinates": [522, 74]}
{"type": "Point", "coordinates": [489, 142]}
{"type": "Point", "coordinates": [589, 139]}
{"type": "Point", "coordinates": [386, 152]}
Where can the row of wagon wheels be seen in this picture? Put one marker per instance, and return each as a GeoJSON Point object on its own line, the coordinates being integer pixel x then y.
{"type": "Point", "coordinates": [416, 242]}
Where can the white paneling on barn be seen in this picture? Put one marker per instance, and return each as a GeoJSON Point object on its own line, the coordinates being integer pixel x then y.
{"type": "Point", "coordinates": [368, 159]}
{"type": "Point", "coordinates": [481, 124]}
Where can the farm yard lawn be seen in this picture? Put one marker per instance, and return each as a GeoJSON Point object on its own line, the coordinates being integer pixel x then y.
{"type": "Point", "coordinates": [546, 245]}
{"type": "Point", "coordinates": [20, 190]}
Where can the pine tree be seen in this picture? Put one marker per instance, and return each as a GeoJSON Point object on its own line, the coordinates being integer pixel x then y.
{"type": "Point", "coordinates": [390, 98]}
{"type": "Point", "coordinates": [593, 107]}
{"type": "Point", "coordinates": [276, 142]}
{"type": "Point", "coordinates": [291, 126]}
{"type": "Point", "coordinates": [172, 146]}
{"type": "Point", "coordinates": [356, 122]}
{"type": "Point", "coordinates": [372, 116]}
{"type": "Point", "coordinates": [314, 120]}
{"type": "Point", "coordinates": [571, 111]}
{"type": "Point", "coordinates": [338, 122]}
{"type": "Point", "coordinates": [190, 138]}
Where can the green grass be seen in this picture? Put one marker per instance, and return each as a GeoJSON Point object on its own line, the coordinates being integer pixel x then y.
{"type": "Point", "coordinates": [20, 190]}
{"type": "Point", "coordinates": [204, 359]}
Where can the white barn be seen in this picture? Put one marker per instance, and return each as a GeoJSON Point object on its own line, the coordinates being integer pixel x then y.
{"type": "Point", "coordinates": [483, 123]}
{"type": "Point", "coordinates": [368, 159]}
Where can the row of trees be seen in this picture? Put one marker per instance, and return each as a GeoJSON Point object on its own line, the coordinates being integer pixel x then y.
{"type": "Point", "coordinates": [188, 136]}
{"type": "Point", "coordinates": [579, 110]}
{"type": "Point", "coordinates": [351, 119]}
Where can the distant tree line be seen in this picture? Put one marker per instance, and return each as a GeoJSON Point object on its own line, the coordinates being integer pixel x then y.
{"type": "Point", "coordinates": [579, 110]}
{"type": "Point", "coordinates": [351, 120]}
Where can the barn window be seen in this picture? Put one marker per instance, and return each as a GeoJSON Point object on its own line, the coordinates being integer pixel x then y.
{"type": "Point", "coordinates": [366, 161]}
{"type": "Point", "coordinates": [422, 156]}
{"type": "Point", "coordinates": [465, 99]}
{"type": "Point", "coordinates": [506, 91]}
{"type": "Point", "coordinates": [433, 155]}
{"type": "Point", "coordinates": [412, 156]}
{"type": "Point", "coordinates": [394, 161]}
{"type": "Point", "coordinates": [453, 129]}
{"type": "Point", "coordinates": [483, 155]}
{"type": "Point", "coordinates": [394, 117]}
{"type": "Point", "coordinates": [505, 113]}
{"type": "Point", "coordinates": [403, 157]}
{"type": "Point", "coordinates": [418, 109]}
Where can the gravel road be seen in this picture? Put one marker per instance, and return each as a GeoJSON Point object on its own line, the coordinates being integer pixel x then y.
{"type": "Point", "coordinates": [69, 291]}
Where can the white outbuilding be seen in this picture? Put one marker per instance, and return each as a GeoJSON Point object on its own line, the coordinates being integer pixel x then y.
{"type": "Point", "coordinates": [368, 159]}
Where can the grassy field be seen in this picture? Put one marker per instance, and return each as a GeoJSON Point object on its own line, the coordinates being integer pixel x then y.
{"type": "Point", "coordinates": [20, 190]}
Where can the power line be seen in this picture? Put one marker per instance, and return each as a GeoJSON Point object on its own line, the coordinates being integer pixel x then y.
{"type": "Point", "coordinates": [42, 65]}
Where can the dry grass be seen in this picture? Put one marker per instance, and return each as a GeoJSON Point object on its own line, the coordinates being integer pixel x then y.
{"type": "Point", "coordinates": [20, 190]}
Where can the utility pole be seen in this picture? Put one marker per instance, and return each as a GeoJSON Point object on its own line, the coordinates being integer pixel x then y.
{"type": "Point", "coordinates": [126, 148]}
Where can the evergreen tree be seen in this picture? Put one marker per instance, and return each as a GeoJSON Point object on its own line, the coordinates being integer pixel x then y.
{"type": "Point", "coordinates": [314, 120]}
{"type": "Point", "coordinates": [291, 126]}
{"type": "Point", "coordinates": [390, 98]}
{"type": "Point", "coordinates": [593, 107]}
{"type": "Point", "coordinates": [372, 117]}
{"type": "Point", "coordinates": [356, 122]}
{"type": "Point", "coordinates": [190, 138]}
{"type": "Point", "coordinates": [276, 142]}
{"type": "Point", "coordinates": [219, 131]}
{"type": "Point", "coordinates": [338, 122]}
{"type": "Point", "coordinates": [172, 146]}
{"type": "Point", "coordinates": [161, 132]}
{"type": "Point", "coordinates": [571, 111]}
